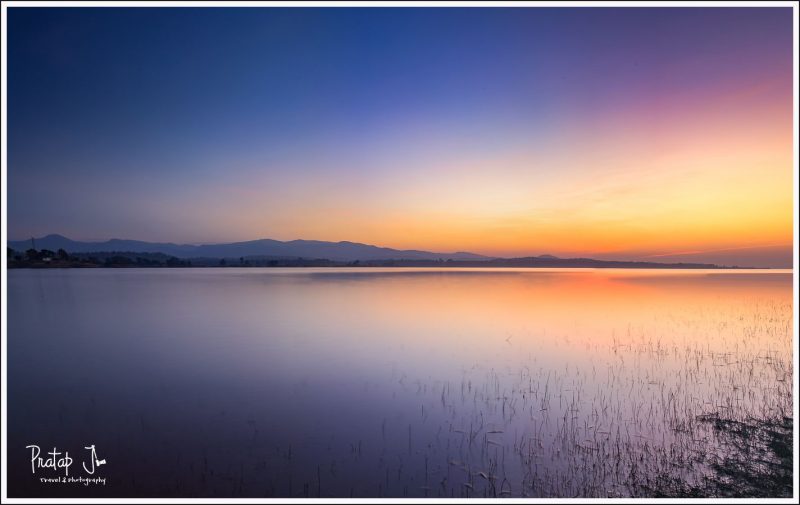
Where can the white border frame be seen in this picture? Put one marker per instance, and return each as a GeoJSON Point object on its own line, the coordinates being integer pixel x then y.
{"type": "Point", "coordinates": [333, 4]}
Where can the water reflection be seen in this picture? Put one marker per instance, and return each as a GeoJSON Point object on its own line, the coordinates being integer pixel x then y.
{"type": "Point", "coordinates": [384, 382]}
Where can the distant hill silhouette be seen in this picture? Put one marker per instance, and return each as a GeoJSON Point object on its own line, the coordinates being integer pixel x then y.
{"type": "Point", "coordinates": [267, 252]}
{"type": "Point", "coordinates": [335, 251]}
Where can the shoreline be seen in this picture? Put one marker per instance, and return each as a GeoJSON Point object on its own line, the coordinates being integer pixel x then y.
{"type": "Point", "coordinates": [362, 267]}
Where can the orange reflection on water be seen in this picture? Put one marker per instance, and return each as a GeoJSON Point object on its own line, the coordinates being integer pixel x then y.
{"type": "Point", "coordinates": [579, 302]}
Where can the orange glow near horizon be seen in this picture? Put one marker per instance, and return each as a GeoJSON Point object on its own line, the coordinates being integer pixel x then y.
{"type": "Point", "coordinates": [670, 179]}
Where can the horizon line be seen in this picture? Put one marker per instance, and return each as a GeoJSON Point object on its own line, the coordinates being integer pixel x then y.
{"type": "Point", "coordinates": [570, 256]}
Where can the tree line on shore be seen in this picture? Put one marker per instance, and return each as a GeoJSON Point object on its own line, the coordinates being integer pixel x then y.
{"type": "Point", "coordinates": [45, 258]}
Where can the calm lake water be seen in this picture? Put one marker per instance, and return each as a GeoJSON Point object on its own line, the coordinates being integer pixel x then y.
{"type": "Point", "coordinates": [387, 382]}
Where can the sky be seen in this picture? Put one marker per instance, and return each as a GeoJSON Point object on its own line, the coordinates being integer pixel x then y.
{"type": "Point", "coordinates": [662, 134]}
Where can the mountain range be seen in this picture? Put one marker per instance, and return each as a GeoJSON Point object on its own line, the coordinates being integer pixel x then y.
{"type": "Point", "coordinates": [268, 252]}
{"type": "Point", "coordinates": [336, 251]}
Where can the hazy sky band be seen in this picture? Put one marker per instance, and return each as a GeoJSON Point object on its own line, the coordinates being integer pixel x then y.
{"type": "Point", "coordinates": [586, 131]}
